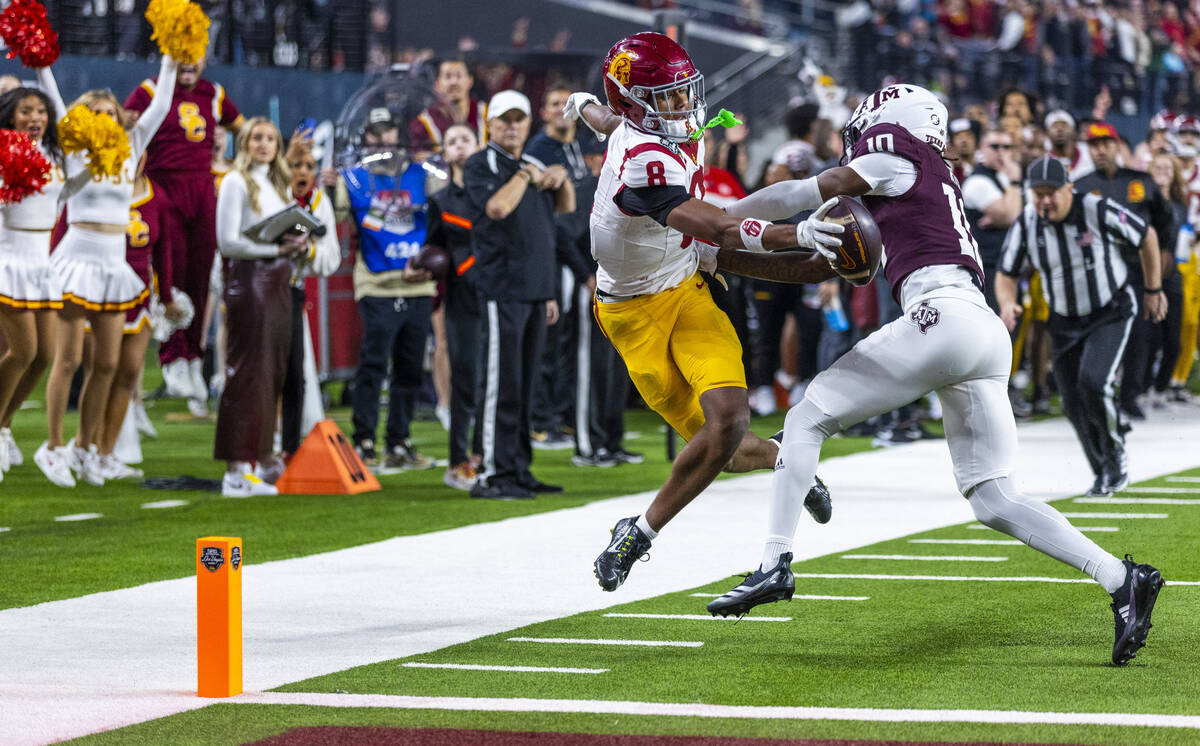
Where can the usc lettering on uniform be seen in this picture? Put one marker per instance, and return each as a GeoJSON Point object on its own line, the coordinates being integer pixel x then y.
{"type": "Point", "coordinates": [193, 124]}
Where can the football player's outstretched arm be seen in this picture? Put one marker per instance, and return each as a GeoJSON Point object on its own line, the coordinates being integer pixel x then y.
{"type": "Point", "coordinates": [786, 198]}
{"type": "Point", "coordinates": [713, 225]}
{"type": "Point", "coordinates": [795, 267]}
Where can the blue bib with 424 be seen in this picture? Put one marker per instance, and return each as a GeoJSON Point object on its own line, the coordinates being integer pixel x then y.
{"type": "Point", "coordinates": [391, 215]}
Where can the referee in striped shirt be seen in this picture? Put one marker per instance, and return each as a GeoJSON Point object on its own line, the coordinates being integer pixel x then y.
{"type": "Point", "coordinates": [1074, 240]}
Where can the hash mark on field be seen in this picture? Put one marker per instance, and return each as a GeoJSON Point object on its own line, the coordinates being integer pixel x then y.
{"type": "Point", "coordinates": [165, 504]}
{"type": "Point", "coordinates": [925, 558]}
{"type": "Point", "coordinates": [699, 617]}
{"type": "Point", "coordinates": [1015, 579]}
{"type": "Point", "coordinates": [803, 597]}
{"type": "Point", "coordinates": [1189, 480]}
{"type": "Point", "coordinates": [1114, 515]}
{"type": "Point", "coordinates": [973, 542]}
{"type": "Point", "coordinates": [639, 643]}
{"type": "Point", "coordinates": [517, 669]}
{"type": "Point", "coordinates": [977, 527]}
{"type": "Point", "coordinates": [4, 528]}
{"type": "Point", "coordinates": [78, 517]}
{"type": "Point", "coordinates": [1149, 491]}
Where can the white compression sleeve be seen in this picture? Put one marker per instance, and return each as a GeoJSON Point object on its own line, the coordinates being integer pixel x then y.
{"type": "Point", "coordinates": [779, 201]}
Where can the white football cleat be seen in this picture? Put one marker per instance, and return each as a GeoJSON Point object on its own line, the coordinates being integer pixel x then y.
{"type": "Point", "coordinates": [245, 485]}
{"type": "Point", "coordinates": [53, 463]}
{"type": "Point", "coordinates": [112, 467]}
{"type": "Point", "coordinates": [92, 470]}
{"type": "Point", "coordinates": [9, 443]}
{"type": "Point", "coordinates": [142, 420]}
{"type": "Point", "coordinates": [178, 379]}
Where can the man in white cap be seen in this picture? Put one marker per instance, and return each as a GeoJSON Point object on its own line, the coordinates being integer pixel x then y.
{"type": "Point", "coordinates": [1064, 145]}
{"type": "Point", "coordinates": [514, 197]}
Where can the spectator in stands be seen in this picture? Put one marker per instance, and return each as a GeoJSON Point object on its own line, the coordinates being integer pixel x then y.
{"type": "Point", "coordinates": [1166, 337]}
{"type": "Point", "coordinates": [1060, 128]}
{"type": "Point", "coordinates": [964, 142]}
{"type": "Point", "coordinates": [1017, 103]}
{"type": "Point", "coordinates": [514, 202]}
{"type": "Point", "coordinates": [992, 198]}
{"type": "Point", "coordinates": [395, 299]}
{"type": "Point", "coordinates": [451, 228]}
{"type": "Point", "coordinates": [258, 310]}
{"type": "Point", "coordinates": [454, 105]}
{"type": "Point", "coordinates": [1137, 192]}
{"type": "Point", "coordinates": [180, 162]}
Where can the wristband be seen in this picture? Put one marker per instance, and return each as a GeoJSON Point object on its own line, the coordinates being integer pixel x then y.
{"type": "Point", "coordinates": [752, 232]}
{"type": "Point", "coordinates": [1152, 290]}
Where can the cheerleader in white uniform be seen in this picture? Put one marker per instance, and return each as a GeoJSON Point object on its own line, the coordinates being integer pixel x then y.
{"type": "Point", "coordinates": [30, 294]}
{"type": "Point", "coordinates": [98, 286]}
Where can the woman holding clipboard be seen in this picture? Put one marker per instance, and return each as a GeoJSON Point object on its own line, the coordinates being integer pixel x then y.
{"type": "Point", "coordinates": [258, 307]}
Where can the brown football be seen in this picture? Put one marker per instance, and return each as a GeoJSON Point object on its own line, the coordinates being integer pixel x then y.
{"type": "Point", "coordinates": [861, 246]}
{"type": "Point", "coordinates": [433, 258]}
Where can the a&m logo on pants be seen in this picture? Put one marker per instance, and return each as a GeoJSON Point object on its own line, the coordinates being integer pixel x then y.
{"type": "Point", "coordinates": [212, 558]}
{"type": "Point", "coordinates": [924, 316]}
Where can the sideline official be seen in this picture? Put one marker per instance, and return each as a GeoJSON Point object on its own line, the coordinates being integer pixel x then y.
{"type": "Point", "coordinates": [514, 197]}
{"type": "Point", "coordinates": [1074, 240]}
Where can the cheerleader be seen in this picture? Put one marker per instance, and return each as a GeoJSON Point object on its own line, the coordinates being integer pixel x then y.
{"type": "Point", "coordinates": [30, 294]}
{"type": "Point", "coordinates": [258, 308]}
{"type": "Point", "coordinates": [98, 285]}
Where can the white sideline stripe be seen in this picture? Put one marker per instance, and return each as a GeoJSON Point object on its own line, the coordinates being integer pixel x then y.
{"type": "Point", "coordinates": [1137, 500]}
{"type": "Point", "coordinates": [925, 558]}
{"type": "Point", "coordinates": [674, 709]}
{"type": "Point", "coordinates": [1114, 515]}
{"type": "Point", "coordinates": [637, 643]}
{"type": "Point", "coordinates": [1078, 528]}
{"type": "Point", "coordinates": [78, 517]}
{"type": "Point", "coordinates": [1014, 579]}
{"type": "Point", "coordinates": [700, 617]}
{"type": "Point", "coordinates": [165, 504]}
{"type": "Point", "coordinates": [4, 528]}
{"type": "Point", "coordinates": [1164, 490]}
{"type": "Point", "coordinates": [797, 596]}
{"type": "Point", "coordinates": [1189, 480]}
{"type": "Point", "coordinates": [517, 669]}
{"type": "Point", "coordinates": [973, 542]}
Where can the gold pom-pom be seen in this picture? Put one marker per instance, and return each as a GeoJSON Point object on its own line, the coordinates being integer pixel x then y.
{"type": "Point", "coordinates": [180, 28]}
{"type": "Point", "coordinates": [105, 141]}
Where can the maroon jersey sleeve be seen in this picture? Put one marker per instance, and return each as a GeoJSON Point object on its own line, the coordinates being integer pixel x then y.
{"type": "Point", "coordinates": [230, 116]}
{"type": "Point", "coordinates": [139, 99]}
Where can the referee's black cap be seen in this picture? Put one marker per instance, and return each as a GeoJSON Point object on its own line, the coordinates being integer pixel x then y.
{"type": "Point", "coordinates": [1046, 171]}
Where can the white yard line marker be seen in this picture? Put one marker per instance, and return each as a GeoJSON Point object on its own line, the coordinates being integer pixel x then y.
{"type": "Point", "coordinates": [637, 643]}
{"type": "Point", "coordinates": [1163, 490]}
{"type": "Point", "coordinates": [1025, 579]}
{"type": "Point", "coordinates": [673, 709]}
{"type": "Point", "coordinates": [1187, 480]}
{"type": "Point", "coordinates": [78, 517]}
{"type": "Point", "coordinates": [517, 669]}
{"type": "Point", "coordinates": [925, 558]}
{"type": "Point", "coordinates": [165, 504]}
{"type": "Point", "coordinates": [1137, 500]}
{"type": "Point", "coordinates": [1114, 515]}
{"type": "Point", "coordinates": [973, 542]}
{"type": "Point", "coordinates": [1077, 528]}
{"type": "Point", "coordinates": [795, 597]}
{"type": "Point", "coordinates": [699, 617]}
{"type": "Point", "coordinates": [4, 528]}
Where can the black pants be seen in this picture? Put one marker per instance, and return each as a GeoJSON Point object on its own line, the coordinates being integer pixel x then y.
{"type": "Point", "coordinates": [1134, 370]}
{"type": "Point", "coordinates": [1087, 352]}
{"type": "Point", "coordinates": [513, 332]}
{"type": "Point", "coordinates": [292, 406]}
{"type": "Point", "coordinates": [602, 386]}
{"type": "Point", "coordinates": [553, 388]}
{"type": "Point", "coordinates": [772, 302]}
{"type": "Point", "coordinates": [462, 344]}
{"type": "Point", "coordinates": [394, 329]}
{"type": "Point", "coordinates": [1165, 337]}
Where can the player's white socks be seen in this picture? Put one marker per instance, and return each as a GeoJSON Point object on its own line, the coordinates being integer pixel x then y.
{"type": "Point", "coordinates": [804, 430]}
{"type": "Point", "coordinates": [997, 504]}
{"type": "Point", "coordinates": [644, 527]}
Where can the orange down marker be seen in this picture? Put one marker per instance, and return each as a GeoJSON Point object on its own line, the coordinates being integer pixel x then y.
{"type": "Point", "coordinates": [219, 616]}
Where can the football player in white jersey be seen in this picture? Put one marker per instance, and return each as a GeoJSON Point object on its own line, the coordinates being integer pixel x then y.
{"type": "Point", "coordinates": [651, 234]}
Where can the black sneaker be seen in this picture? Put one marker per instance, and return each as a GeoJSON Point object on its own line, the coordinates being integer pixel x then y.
{"type": "Point", "coordinates": [1132, 604]}
{"type": "Point", "coordinates": [1132, 411]}
{"type": "Point", "coordinates": [627, 457]}
{"type": "Point", "coordinates": [1099, 488]}
{"type": "Point", "coordinates": [601, 458]}
{"type": "Point", "coordinates": [777, 584]}
{"type": "Point", "coordinates": [817, 502]}
{"type": "Point", "coordinates": [533, 484]}
{"type": "Point", "coordinates": [500, 491]}
{"type": "Point", "coordinates": [628, 545]}
{"type": "Point", "coordinates": [366, 451]}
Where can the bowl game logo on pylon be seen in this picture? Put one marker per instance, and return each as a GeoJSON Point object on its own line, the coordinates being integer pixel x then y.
{"type": "Point", "coordinates": [212, 558]}
{"type": "Point", "coordinates": [235, 557]}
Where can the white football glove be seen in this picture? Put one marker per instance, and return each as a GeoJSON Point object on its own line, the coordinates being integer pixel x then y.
{"type": "Point", "coordinates": [708, 256]}
{"type": "Point", "coordinates": [575, 104]}
{"type": "Point", "coordinates": [815, 233]}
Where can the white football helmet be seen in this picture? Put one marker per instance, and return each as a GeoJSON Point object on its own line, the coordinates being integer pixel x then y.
{"type": "Point", "coordinates": [909, 106]}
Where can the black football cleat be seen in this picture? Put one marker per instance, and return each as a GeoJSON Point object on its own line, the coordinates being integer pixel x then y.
{"type": "Point", "coordinates": [817, 501]}
{"type": "Point", "coordinates": [777, 584]}
{"type": "Point", "coordinates": [628, 545]}
{"type": "Point", "coordinates": [1132, 604]}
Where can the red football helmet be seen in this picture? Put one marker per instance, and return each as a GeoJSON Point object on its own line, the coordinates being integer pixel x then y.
{"type": "Point", "coordinates": [651, 81]}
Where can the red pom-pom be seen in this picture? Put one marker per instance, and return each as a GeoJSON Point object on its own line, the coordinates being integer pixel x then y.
{"type": "Point", "coordinates": [23, 168]}
{"type": "Point", "coordinates": [27, 32]}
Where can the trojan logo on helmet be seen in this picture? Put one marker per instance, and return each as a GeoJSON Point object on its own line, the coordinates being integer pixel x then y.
{"type": "Point", "coordinates": [652, 82]}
